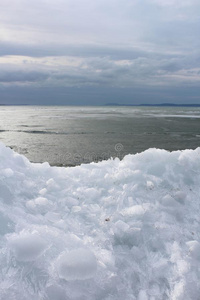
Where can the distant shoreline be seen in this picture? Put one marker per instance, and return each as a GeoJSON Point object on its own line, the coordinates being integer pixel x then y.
{"type": "Point", "coordinates": [111, 104]}
{"type": "Point", "coordinates": [161, 104]}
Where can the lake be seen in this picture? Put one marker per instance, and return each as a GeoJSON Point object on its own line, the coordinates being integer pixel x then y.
{"type": "Point", "coordinates": [69, 136]}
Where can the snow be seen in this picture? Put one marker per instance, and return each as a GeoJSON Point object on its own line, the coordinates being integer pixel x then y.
{"type": "Point", "coordinates": [112, 230]}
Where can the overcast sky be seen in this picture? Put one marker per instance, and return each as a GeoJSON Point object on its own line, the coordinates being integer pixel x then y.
{"type": "Point", "coordinates": [99, 51]}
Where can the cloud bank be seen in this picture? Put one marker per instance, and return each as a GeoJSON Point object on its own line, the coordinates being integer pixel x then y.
{"type": "Point", "coordinates": [138, 47]}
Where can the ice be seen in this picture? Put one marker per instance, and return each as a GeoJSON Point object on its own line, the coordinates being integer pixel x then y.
{"type": "Point", "coordinates": [142, 295]}
{"type": "Point", "coordinates": [8, 172]}
{"type": "Point", "coordinates": [5, 194]}
{"type": "Point", "coordinates": [43, 191]}
{"type": "Point", "coordinates": [26, 246]}
{"type": "Point", "coordinates": [55, 292]}
{"type": "Point", "coordinates": [39, 204]}
{"type": "Point", "coordinates": [121, 226]}
{"type": "Point", "coordinates": [78, 264]}
{"type": "Point", "coordinates": [41, 201]}
{"type": "Point", "coordinates": [53, 217]}
{"type": "Point", "coordinates": [6, 224]}
{"type": "Point", "coordinates": [194, 249]}
{"type": "Point", "coordinates": [111, 230]}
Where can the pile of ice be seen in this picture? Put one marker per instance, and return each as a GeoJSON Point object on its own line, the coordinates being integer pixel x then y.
{"type": "Point", "coordinates": [112, 230]}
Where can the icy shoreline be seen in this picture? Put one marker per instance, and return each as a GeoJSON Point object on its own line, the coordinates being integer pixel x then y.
{"type": "Point", "coordinates": [112, 230]}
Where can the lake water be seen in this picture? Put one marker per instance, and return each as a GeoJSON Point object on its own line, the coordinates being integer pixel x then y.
{"type": "Point", "coordinates": [68, 136]}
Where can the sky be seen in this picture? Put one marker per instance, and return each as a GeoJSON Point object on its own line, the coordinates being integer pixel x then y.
{"type": "Point", "coordinates": [93, 52]}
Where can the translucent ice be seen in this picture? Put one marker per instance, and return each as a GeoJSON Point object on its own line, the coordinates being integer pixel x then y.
{"type": "Point", "coordinates": [107, 231]}
{"type": "Point", "coordinates": [27, 246]}
{"type": "Point", "coordinates": [78, 264]}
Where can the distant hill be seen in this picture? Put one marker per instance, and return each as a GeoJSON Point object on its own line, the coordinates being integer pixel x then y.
{"type": "Point", "coordinates": [161, 104]}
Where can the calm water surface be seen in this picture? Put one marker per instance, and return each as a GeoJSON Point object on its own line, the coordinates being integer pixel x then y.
{"type": "Point", "coordinates": [64, 135]}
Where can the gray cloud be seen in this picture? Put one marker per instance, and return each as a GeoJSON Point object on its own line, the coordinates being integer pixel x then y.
{"type": "Point", "coordinates": [21, 77]}
{"type": "Point", "coordinates": [100, 71]}
{"type": "Point", "coordinates": [100, 45]}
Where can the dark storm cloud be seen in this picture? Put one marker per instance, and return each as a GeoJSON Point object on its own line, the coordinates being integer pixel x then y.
{"type": "Point", "coordinates": [23, 77]}
{"type": "Point", "coordinates": [118, 52]}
